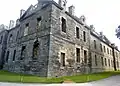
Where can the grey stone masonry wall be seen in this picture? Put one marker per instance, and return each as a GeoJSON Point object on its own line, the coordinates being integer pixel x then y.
{"type": "Point", "coordinates": [3, 43]}
{"type": "Point", "coordinates": [66, 43]}
{"type": "Point", "coordinates": [39, 46]}
{"type": "Point", "coordinates": [28, 64]}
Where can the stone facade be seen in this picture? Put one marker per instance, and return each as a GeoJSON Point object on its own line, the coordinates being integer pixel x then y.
{"type": "Point", "coordinates": [48, 41]}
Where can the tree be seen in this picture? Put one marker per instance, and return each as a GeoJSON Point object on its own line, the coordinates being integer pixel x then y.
{"type": "Point", "coordinates": [118, 32]}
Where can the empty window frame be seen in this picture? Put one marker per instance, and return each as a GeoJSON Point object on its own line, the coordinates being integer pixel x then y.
{"type": "Point", "coordinates": [95, 44]}
{"type": "Point", "coordinates": [105, 62]}
{"type": "Point", "coordinates": [104, 49]}
{"type": "Point", "coordinates": [39, 21]}
{"type": "Point", "coordinates": [1, 39]}
{"type": "Point", "coordinates": [26, 29]}
{"type": "Point", "coordinates": [85, 56]}
{"type": "Point", "coordinates": [107, 50]}
{"type": "Point", "coordinates": [10, 38]}
{"type": "Point", "coordinates": [84, 36]}
{"type": "Point", "coordinates": [77, 32]}
{"type": "Point", "coordinates": [62, 59]}
{"type": "Point", "coordinates": [23, 52]}
{"type": "Point", "coordinates": [14, 55]}
{"type": "Point", "coordinates": [35, 49]}
{"type": "Point", "coordinates": [109, 62]}
{"type": "Point", "coordinates": [63, 25]}
{"type": "Point", "coordinates": [102, 62]}
{"type": "Point", "coordinates": [96, 60]}
{"type": "Point", "coordinates": [101, 49]}
{"type": "Point", "coordinates": [77, 54]}
{"type": "Point", "coordinates": [7, 56]}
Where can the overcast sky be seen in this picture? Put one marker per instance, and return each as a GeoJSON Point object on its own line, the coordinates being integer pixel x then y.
{"type": "Point", "coordinates": [103, 14]}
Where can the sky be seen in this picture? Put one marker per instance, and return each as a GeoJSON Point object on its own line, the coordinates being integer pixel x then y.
{"type": "Point", "coordinates": [103, 14]}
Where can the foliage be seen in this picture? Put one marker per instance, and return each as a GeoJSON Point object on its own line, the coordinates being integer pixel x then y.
{"type": "Point", "coordinates": [118, 32]}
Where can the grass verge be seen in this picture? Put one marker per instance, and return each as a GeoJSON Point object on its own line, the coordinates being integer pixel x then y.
{"type": "Point", "coordinates": [6, 76]}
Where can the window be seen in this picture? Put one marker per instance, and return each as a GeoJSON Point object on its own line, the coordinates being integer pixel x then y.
{"type": "Point", "coordinates": [26, 29]}
{"type": "Point", "coordinates": [1, 39]}
{"type": "Point", "coordinates": [101, 48]}
{"type": "Point", "coordinates": [84, 36]}
{"type": "Point", "coordinates": [63, 59]}
{"type": "Point", "coordinates": [17, 35]}
{"type": "Point", "coordinates": [107, 50]}
{"type": "Point", "coordinates": [112, 63]}
{"type": "Point", "coordinates": [117, 64]}
{"type": "Point", "coordinates": [95, 60]}
{"type": "Point", "coordinates": [23, 52]}
{"type": "Point", "coordinates": [78, 54]}
{"type": "Point", "coordinates": [95, 44]}
{"type": "Point", "coordinates": [109, 62]}
{"type": "Point", "coordinates": [35, 49]}
{"type": "Point", "coordinates": [104, 49]}
{"type": "Point", "coordinates": [39, 21]}
{"type": "Point", "coordinates": [10, 38]}
{"type": "Point", "coordinates": [105, 62]}
{"type": "Point", "coordinates": [85, 56]}
{"type": "Point", "coordinates": [14, 55]}
{"type": "Point", "coordinates": [102, 61]}
{"type": "Point", "coordinates": [7, 56]}
{"type": "Point", "coordinates": [111, 52]}
{"type": "Point", "coordinates": [63, 25]}
{"type": "Point", "coordinates": [77, 33]}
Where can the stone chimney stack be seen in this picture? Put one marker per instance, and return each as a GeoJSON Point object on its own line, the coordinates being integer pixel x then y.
{"type": "Point", "coordinates": [72, 10]}
{"type": "Point", "coordinates": [101, 33]}
{"type": "Point", "coordinates": [63, 4]}
{"type": "Point", "coordinates": [17, 22]}
{"type": "Point", "coordinates": [43, 0]}
{"type": "Point", "coordinates": [22, 12]}
{"type": "Point", "coordinates": [11, 25]}
{"type": "Point", "coordinates": [92, 28]}
{"type": "Point", "coordinates": [83, 19]}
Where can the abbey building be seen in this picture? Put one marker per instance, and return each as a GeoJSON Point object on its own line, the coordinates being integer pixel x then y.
{"type": "Point", "coordinates": [48, 41]}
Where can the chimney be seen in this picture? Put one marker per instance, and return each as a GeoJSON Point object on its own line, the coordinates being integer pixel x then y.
{"type": "Point", "coordinates": [113, 44]}
{"type": "Point", "coordinates": [63, 4]}
{"type": "Point", "coordinates": [101, 33]}
{"type": "Point", "coordinates": [116, 47]}
{"type": "Point", "coordinates": [17, 22]}
{"type": "Point", "coordinates": [22, 12]}
{"type": "Point", "coordinates": [92, 28]}
{"type": "Point", "coordinates": [83, 19]}
{"type": "Point", "coordinates": [11, 25]}
{"type": "Point", "coordinates": [72, 10]}
{"type": "Point", "coordinates": [43, 0]}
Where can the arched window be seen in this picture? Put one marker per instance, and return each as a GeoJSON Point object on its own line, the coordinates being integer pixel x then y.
{"type": "Point", "coordinates": [7, 56]}
{"type": "Point", "coordinates": [35, 49]}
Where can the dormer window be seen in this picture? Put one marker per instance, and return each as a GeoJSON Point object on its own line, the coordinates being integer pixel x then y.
{"type": "Point", "coordinates": [26, 29]}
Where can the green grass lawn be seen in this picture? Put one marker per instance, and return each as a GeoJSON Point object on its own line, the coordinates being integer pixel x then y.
{"type": "Point", "coordinates": [6, 76]}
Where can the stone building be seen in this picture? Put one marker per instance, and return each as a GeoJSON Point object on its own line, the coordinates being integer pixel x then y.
{"type": "Point", "coordinates": [48, 41]}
